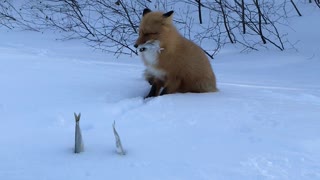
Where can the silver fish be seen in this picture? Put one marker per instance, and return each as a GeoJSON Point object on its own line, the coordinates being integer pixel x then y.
{"type": "Point", "coordinates": [118, 141]}
{"type": "Point", "coordinates": [78, 146]}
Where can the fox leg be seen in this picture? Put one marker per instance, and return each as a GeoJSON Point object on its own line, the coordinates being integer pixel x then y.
{"type": "Point", "coordinates": [148, 77]}
{"type": "Point", "coordinates": [164, 91]}
{"type": "Point", "coordinates": [152, 91]}
{"type": "Point", "coordinates": [172, 85]}
{"type": "Point", "coordinates": [155, 88]}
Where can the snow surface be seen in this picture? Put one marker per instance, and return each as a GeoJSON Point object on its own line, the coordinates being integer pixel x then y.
{"type": "Point", "coordinates": [264, 123]}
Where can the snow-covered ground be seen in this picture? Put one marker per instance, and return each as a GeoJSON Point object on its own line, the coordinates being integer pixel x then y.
{"type": "Point", "coordinates": [264, 123]}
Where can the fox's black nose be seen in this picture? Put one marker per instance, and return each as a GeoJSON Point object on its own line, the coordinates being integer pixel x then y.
{"type": "Point", "coordinates": [136, 45]}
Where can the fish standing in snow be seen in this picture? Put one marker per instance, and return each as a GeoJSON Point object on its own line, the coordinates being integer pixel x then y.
{"type": "Point", "coordinates": [78, 146]}
{"type": "Point", "coordinates": [119, 147]}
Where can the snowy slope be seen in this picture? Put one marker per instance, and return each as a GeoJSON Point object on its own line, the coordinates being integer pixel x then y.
{"type": "Point", "coordinates": [262, 124]}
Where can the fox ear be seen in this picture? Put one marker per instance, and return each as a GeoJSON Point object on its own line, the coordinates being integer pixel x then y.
{"type": "Point", "coordinates": [168, 14]}
{"type": "Point", "coordinates": [146, 11]}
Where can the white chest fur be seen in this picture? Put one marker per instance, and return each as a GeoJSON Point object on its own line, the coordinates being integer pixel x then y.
{"type": "Point", "coordinates": [149, 53]}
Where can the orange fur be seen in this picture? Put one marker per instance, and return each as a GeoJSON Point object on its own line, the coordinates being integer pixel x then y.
{"type": "Point", "coordinates": [186, 66]}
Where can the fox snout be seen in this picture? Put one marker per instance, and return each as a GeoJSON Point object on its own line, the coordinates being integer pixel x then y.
{"type": "Point", "coordinates": [139, 42]}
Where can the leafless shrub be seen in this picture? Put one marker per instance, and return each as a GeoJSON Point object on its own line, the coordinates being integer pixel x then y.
{"type": "Point", "coordinates": [107, 25]}
{"type": "Point", "coordinates": [112, 25]}
{"type": "Point", "coordinates": [11, 17]}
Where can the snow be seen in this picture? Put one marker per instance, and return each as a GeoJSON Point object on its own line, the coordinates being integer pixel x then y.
{"type": "Point", "coordinates": [262, 124]}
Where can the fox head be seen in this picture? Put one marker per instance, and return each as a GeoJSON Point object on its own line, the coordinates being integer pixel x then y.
{"type": "Point", "coordinates": [153, 25]}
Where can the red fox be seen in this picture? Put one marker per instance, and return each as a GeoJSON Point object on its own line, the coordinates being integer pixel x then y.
{"type": "Point", "coordinates": [179, 65]}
